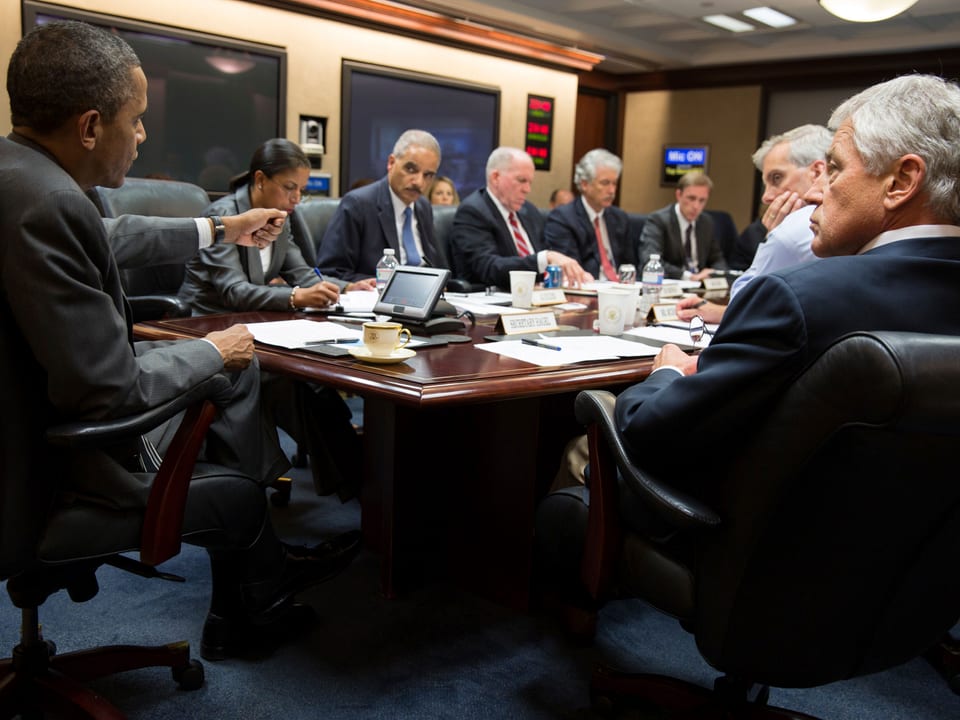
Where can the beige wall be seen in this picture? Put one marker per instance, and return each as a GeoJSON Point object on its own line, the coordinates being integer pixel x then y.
{"type": "Point", "coordinates": [315, 48]}
{"type": "Point", "coordinates": [726, 119]}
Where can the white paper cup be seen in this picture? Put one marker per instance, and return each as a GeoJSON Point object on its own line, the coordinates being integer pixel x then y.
{"type": "Point", "coordinates": [630, 310]}
{"type": "Point", "coordinates": [612, 304]}
{"type": "Point", "coordinates": [521, 287]}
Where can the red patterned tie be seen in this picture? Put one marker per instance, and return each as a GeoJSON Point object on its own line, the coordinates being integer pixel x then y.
{"type": "Point", "coordinates": [523, 245]}
{"type": "Point", "coordinates": [604, 260]}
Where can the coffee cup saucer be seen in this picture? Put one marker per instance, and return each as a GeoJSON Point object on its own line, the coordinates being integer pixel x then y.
{"type": "Point", "coordinates": [362, 352]}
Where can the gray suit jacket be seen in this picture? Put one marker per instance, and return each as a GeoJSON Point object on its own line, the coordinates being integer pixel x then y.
{"type": "Point", "coordinates": [225, 278]}
{"type": "Point", "coordinates": [661, 234]}
{"type": "Point", "coordinates": [65, 335]}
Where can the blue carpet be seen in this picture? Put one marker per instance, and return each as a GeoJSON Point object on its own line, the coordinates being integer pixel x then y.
{"type": "Point", "coordinates": [434, 653]}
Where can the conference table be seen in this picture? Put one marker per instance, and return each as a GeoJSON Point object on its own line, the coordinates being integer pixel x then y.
{"type": "Point", "coordinates": [459, 445]}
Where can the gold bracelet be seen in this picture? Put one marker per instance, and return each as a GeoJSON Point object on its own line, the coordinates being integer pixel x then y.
{"type": "Point", "coordinates": [293, 295]}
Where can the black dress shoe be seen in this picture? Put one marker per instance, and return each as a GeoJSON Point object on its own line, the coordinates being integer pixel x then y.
{"type": "Point", "coordinates": [303, 568]}
{"type": "Point", "coordinates": [231, 637]}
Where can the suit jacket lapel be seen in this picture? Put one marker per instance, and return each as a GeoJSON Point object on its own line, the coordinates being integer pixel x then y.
{"type": "Point", "coordinates": [386, 216]}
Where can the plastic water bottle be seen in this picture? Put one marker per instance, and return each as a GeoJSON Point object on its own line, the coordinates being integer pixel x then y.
{"type": "Point", "coordinates": [652, 280]}
{"type": "Point", "coordinates": [388, 263]}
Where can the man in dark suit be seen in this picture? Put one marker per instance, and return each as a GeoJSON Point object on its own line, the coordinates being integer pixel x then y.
{"type": "Point", "coordinates": [390, 213]}
{"type": "Point", "coordinates": [888, 232]}
{"type": "Point", "coordinates": [592, 231]}
{"type": "Point", "coordinates": [67, 335]}
{"type": "Point", "coordinates": [496, 229]}
{"type": "Point", "coordinates": [682, 234]}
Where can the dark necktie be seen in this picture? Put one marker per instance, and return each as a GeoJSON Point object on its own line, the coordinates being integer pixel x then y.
{"type": "Point", "coordinates": [409, 245]}
{"type": "Point", "coordinates": [688, 249]}
{"type": "Point", "coordinates": [605, 263]}
{"type": "Point", "coordinates": [523, 245]}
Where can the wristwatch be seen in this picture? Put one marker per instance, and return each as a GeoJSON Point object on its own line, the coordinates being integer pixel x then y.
{"type": "Point", "coordinates": [219, 231]}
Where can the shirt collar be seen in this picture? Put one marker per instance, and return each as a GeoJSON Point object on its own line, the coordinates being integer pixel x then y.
{"type": "Point", "coordinates": [591, 213]}
{"type": "Point", "coordinates": [906, 233]}
{"type": "Point", "coordinates": [683, 221]}
{"type": "Point", "coordinates": [503, 210]}
{"type": "Point", "coordinates": [398, 206]}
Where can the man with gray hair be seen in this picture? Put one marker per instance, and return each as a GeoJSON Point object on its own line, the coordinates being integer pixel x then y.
{"type": "Point", "coordinates": [389, 213]}
{"type": "Point", "coordinates": [593, 231]}
{"type": "Point", "coordinates": [496, 229]}
{"type": "Point", "coordinates": [887, 228]}
{"type": "Point", "coordinates": [790, 164]}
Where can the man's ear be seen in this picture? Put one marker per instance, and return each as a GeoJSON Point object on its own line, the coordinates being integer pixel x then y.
{"type": "Point", "coordinates": [88, 128]}
{"type": "Point", "coordinates": [678, 193]}
{"type": "Point", "coordinates": [903, 181]}
{"type": "Point", "coordinates": [816, 169]}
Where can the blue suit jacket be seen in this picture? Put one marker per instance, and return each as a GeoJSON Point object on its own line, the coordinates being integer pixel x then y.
{"type": "Point", "coordinates": [568, 230]}
{"type": "Point", "coordinates": [661, 234]}
{"type": "Point", "coordinates": [482, 245]}
{"type": "Point", "coordinates": [777, 326]}
{"type": "Point", "coordinates": [363, 226]}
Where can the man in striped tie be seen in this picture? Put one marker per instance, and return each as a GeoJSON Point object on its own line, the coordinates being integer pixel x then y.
{"type": "Point", "coordinates": [496, 229]}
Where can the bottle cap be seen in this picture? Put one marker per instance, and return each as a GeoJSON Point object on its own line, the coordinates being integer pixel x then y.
{"type": "Point", "coordinates": [391, 251]}
{"type": "Point", "coordinates": [654, 256]}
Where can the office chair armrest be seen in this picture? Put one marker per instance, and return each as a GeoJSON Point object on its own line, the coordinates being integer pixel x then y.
{"type": "Point", "coordinates": [157, 307]}
{"type": "Point", "coordinates": [100, 433]}
{"type": "Point", "coordinates": [674, 506]}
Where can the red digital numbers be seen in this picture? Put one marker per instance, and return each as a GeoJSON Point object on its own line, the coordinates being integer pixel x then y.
{"type": "Point", "coordinates": [540, 104]}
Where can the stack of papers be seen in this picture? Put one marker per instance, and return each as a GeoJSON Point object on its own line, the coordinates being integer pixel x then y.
{"type": "Point", "coordinates": [481, 304]}
{"type": "Point", "coordinates": [676, 333]}
{"type": "Point", "coordinates": [572, 349]}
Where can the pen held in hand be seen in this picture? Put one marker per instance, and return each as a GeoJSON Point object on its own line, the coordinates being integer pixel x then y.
{"type": "Point", "coordinates": [540, 344]}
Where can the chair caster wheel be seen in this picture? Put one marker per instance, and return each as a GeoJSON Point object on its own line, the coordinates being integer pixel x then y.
{"type": "Point", "coordinates": [189, 677]}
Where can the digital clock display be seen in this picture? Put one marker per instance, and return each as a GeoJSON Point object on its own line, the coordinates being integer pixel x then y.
{"type": "Point", "coordinates": [539, 130]}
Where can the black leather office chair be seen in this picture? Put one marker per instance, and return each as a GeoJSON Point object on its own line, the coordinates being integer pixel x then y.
{"type": "Point", "coordinates": [442, 225]}
{"type": "Point", "coordinates": [315, 215]}
{"type": "Point", "coordinates": [152, 291]}
{"type": "Point", "coordinates": [724, 231]}
{"type": "Point", "coordinates": [45, 551]}
{"type": "Point", "coordinates": [828, 549]}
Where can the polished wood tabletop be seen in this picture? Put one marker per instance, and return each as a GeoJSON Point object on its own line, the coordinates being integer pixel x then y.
{"type": "Point", "coordinates": [435, 377]}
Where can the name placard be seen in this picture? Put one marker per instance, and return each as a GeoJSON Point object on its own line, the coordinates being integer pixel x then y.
{"type": "Point", "coordinates": [671, 290]}
{"type": "Point", "coordinates": [664, 313]}
{"type": "Point", "coordinates": [526, 323]}
{"type": "Point", "coordinates": [551, 296]}
{"type": "Point", "coordinates": [715, 283]}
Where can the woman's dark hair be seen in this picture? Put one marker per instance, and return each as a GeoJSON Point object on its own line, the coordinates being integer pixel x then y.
{"type": "Point", "coordinates": [273, 157]}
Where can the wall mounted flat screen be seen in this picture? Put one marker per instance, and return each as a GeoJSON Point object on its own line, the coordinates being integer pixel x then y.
{"type": "Point", "coordinates": [379, 103]}
{"type": "Point", "coordinates": [678, 160]}
{"type": "Point", "coordinates": [211, 100]}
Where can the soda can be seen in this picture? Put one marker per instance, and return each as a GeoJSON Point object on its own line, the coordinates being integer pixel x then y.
{"type": "Point", "coordinates": [552, 276]}
{"type": "Point", "coordinates": [628, 274]}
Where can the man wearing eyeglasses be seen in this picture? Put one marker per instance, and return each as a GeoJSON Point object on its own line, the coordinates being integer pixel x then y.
{"type": "Point", "coordinates": [390, 213]}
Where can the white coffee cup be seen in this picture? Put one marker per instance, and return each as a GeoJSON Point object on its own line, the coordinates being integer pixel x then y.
{"type": "Point", "coordinates": [612, 305]}
{"type": "Point", "coordinates": [382, 338]}
{"type": "Point", "coordinates": [630, 317]}
{"type": "Point", "coordinates": [521, 287]}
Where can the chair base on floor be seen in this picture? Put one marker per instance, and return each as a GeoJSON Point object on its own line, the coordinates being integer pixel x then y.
{"type": "Point", "coordinates": [36, 680]}
{"type": "Point", "coordinates": [668, 697]}
{"type": "Point", "coordinates": [945, 657]}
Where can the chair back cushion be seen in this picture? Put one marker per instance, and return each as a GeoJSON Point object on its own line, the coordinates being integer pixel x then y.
{"type": "Point", "coordinates": [840, 544]}
{"type": "Point", "coordinates": [442, 224]}
{"type": "Point", "coordinates": [156, 198]}
{"type": "Point", "coordinates": [316, 214]}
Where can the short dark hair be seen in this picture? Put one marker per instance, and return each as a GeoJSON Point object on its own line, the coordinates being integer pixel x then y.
{"type": "Point", "coordinates": [65, 68]}
{"type": "Point", "coordinates": [274, 156]}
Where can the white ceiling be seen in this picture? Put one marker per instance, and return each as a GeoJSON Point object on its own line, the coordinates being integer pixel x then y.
{"type": "Point", "coordinates": [645, 35]}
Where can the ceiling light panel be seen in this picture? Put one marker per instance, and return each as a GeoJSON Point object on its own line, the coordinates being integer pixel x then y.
{"type": "Point", "coordinates": [769, 16]}
{"type": "Point", "coordinates": [728, 23]}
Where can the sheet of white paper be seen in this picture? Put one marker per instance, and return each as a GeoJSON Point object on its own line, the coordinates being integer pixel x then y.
{"type": "Point", "coordinates": [359, 300]}
{"type": "Point", "coordinates": [298, 333]}
{"type": "Point", "coordinates": [478, 298]}
{"type": "Point", "coordinates": [572, 350]}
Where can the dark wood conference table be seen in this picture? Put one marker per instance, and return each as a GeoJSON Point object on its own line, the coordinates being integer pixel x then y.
{"type": "Point", "coordinates": [459, 445]}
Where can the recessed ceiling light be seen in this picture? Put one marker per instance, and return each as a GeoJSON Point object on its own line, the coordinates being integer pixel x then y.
{"type": "Point", "coordinates": [728, 23]}
{"type": "Point", "coordinates": [769, 16]}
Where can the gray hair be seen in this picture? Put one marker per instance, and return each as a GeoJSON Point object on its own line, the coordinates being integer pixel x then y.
{"type": "Point", "coordinates": [808, 143]}
{"type": "Point", "coordinates": [502, 157]}
{"type": "Point", "coordinates": [416, 138]}
{"type": "Point", "coordinates": [65, 68]}
{"type": "Point", "coordinates": [912, 114]}
{"type": "Point", "coordinates": [586, 169]}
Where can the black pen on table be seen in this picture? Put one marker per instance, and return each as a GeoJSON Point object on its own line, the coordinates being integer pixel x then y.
{"type": "Point", "coordinates": [540, 344]}
{"type": "Point", "coordinates": [335, 341]}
